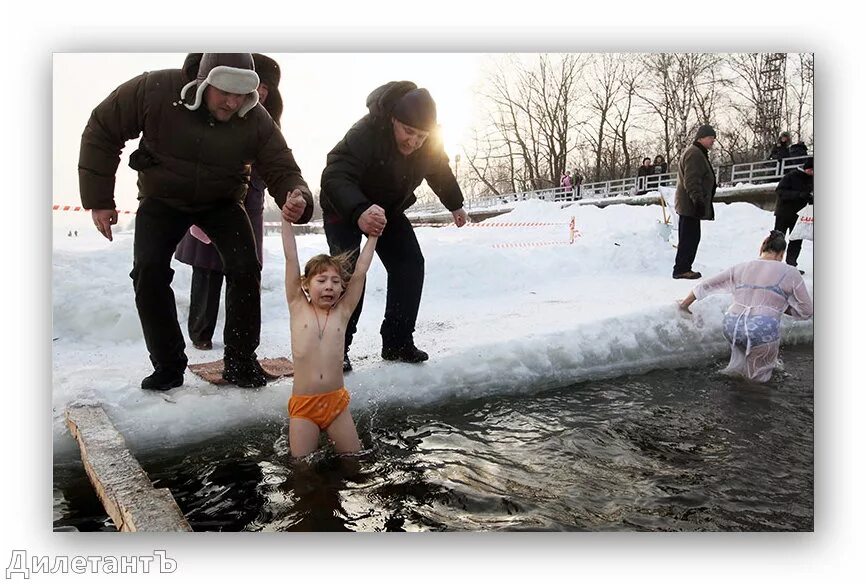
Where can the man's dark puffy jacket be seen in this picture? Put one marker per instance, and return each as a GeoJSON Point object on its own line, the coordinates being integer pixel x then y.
{"type": "Point", "coordinates": [186, 158]}
{"type": "Point", "coordinates": [793, 193]}
{"type": "Point", "coordinates": [366, 168]}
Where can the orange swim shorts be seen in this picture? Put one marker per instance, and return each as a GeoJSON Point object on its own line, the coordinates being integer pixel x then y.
{"type": "Point", "coordinates": [321, 409]}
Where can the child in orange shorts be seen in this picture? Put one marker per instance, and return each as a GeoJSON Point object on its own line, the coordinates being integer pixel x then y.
{"type": "Point", "coordinates": [320, 304]}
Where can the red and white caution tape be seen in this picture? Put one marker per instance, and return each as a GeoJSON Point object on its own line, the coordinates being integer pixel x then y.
{"type": "Point", "coordinates": [75, 208]}
{"type": "Point", "coordinates": [524, 224]}
{"type": "Point", "coordinates": [572, 232]}
{"type": "Point", "coordinates": [531, 244]}
{"type": "Point", "coordinates": [521, 224]}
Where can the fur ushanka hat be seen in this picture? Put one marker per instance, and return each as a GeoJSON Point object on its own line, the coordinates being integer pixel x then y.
{"type": "Point", "coordinates": [231, 72]}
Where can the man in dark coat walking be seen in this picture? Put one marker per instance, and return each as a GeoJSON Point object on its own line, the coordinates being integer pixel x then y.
{"type": "Point", "coordinates": [696, 187]}
{"type": "Point", "coordinates": [195, 249]}
{"type": "Point", "coordinates": [368, 183]}
{"type": "Point", "coordinates": [193, 168]}
{"type": "Point", "coordinates": [794, 192]}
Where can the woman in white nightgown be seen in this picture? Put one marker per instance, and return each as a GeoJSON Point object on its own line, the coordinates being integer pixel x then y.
{"type": "Point", "coordinates": [764, 289]}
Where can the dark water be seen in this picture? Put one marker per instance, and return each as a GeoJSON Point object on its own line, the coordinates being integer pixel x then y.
{"type": "Point", "coordinates": [677, 450]}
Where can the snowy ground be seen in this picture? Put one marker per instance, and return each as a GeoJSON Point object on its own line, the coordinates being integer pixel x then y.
{"type": "Point", "coordinates": [495, 320]}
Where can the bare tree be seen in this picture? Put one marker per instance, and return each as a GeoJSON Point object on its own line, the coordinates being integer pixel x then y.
{"type": "Point", "coordinates": [549, 113]}
{"type": "Point", "coordinates": [604, 86]}
{"type": "Point", "coordinates": [531, 122]}
{"type": "Point", "coordinates": [622, 119]}
{"type": "Point", "coordinates": [800, 87]}
{"type": "Point", "coordinates": [680, 91]}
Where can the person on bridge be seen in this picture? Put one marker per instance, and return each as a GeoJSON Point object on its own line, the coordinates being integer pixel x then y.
{"type": "Point", "coordinates": [644, 170]}
{"type": "Point", "coordinates": [369, 182]}
{"type": "Point", "coordinates": [565, 180]}
{"type": "Point", "coordinates": [782, 148]}
{"type": "Point", "coordinates": [576, 181]}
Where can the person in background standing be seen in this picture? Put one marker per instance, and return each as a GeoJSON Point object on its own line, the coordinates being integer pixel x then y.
{"type": "Point", "coordinates": [781, 149]}
{"type": "Point", "coordinates": [565, 180]}
{"type": "Point", "coordinates": [644, 170]}
{"type": "Point", "coordinates": [576, 181]}
{"type": "Point", "coordinates": [696, 187]}
{"type": "Point", "coordinates": [794, 192]}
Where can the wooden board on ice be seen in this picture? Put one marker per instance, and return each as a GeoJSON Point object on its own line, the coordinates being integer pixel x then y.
{"type": "Point", "coordinates": [212, 371]}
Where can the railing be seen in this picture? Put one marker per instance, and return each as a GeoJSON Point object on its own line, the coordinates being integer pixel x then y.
{"type": "Point", "coordinates": [628, 186]}
{"type": "Point", "coordinates": [764, 171]}
{"type": "Point", "coordinates": [751, 172]}
{"type": "Point", "coordinates": [549, 194]}
{"type": "Point", "coordinates": [654, 181]}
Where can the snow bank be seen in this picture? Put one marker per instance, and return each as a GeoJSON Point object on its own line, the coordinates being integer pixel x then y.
{"type": "Point", "coordinates": [494, 319]}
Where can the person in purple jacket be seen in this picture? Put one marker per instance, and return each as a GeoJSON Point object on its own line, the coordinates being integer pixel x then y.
{"type": "Point", "coordinates": [196, 250]}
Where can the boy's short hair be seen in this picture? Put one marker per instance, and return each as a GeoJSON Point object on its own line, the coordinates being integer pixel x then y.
{"type": "Point", "coordinates": [317, 264]}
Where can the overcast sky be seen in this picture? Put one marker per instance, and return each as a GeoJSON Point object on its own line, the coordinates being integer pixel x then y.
{"type": "Point", "coordinates": [323, 95]}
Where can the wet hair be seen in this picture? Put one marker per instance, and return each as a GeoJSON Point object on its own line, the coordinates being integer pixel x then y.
{"type": "Point", "coordinates": [342, 263]}
{"type": "Point", "coordinates": [775, 242]}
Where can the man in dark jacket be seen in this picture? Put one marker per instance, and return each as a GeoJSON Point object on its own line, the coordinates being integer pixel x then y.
{"type": "Point", "coordinates": [794, 192]}
{"type": "Point", "coordinates": [195, 249]}
{"type": "Point", "coordinates": [193, 167]}
{"type": "Point", "coordinates": [798, 149]}
{"type": "Point", "coordinates": [696, 187]}
{"type": "Point", "coordinates": [576, 181]}
{"type": "Point", "coordinates": [367, 184]}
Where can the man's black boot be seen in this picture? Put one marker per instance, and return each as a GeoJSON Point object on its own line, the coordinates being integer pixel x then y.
{"type": "Point", "coordinates": [405, 353]}
{"type": "Point", "coordinates": [163, 380]}
{"type": "Point", "coordinates": [244, 372]}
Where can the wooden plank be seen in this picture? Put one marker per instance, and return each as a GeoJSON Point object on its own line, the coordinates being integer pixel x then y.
{"type": "Point", "coordinates": [121, 484]}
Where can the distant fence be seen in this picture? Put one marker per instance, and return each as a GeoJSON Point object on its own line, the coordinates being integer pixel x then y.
{"type": "Point", "coordinates": [765, 171]}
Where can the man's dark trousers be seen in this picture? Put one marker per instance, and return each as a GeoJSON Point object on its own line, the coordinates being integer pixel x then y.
{"type": "Point", "coordinates": [785, 223]}
{"type": "Point", "coordinates": [204, 303]}
{"type": "Point", "coordinates": [401, 255]}
{"type": "Point", "coordinates": [687, 248]}
{"type": "Point", "coordinates": [159, 227]}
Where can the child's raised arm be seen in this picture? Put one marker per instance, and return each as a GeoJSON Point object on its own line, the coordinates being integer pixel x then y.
{"type": "Point", "coordinates": [293, 269]}
{"type": "Point", "coordinates": [356, 283]}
